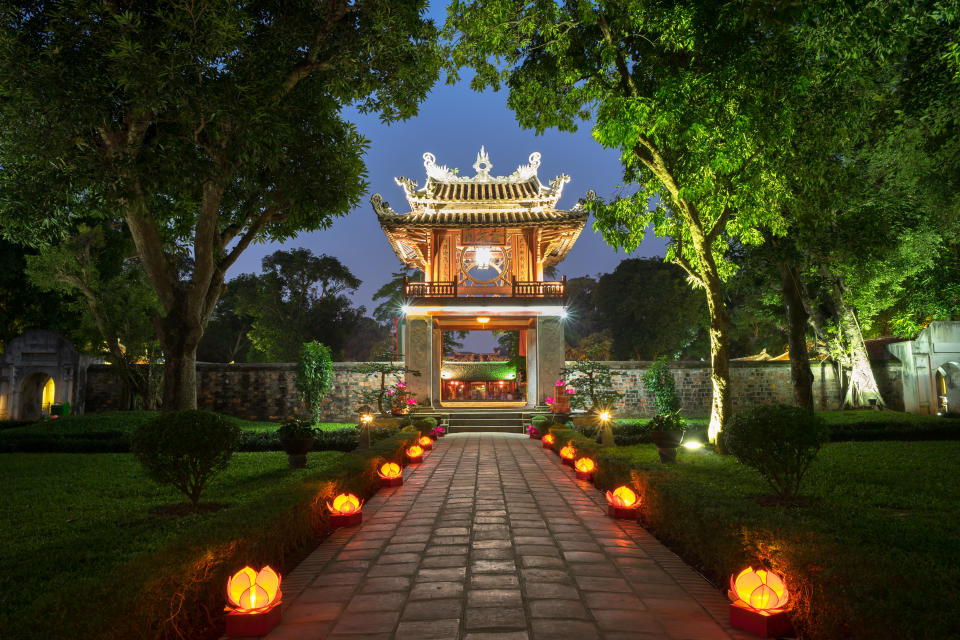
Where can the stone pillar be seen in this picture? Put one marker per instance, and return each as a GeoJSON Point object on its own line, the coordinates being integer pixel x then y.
{"type": "Point", "coordinates": [419, 356]}
{"type": "Point", "coordinates": [532, 362]}
{"type": "Point", "coordinates": [550, 344]}
{"type": "Point", "coordinates": [436, 393]}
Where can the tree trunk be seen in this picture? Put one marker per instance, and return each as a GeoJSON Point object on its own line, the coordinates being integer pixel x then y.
{"type": "Point", "coordinates": [179, 339]}
{"type": "Point", "coordinates": [800, 375]}
{"type": "Point", "coordinates": [862, 391]}
{"type": "Point", "coordinates": [719, 360]}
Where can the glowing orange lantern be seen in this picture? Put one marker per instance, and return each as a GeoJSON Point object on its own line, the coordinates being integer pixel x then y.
{"type": "Point", "coordinates": [585, 468]}
{"type": "Point", "coordinates": [254, 598]}
{"type": "Point", "coordinates": [623, 502]}
{"type": "Point", "coordinates": [391, 475]}
{"type": "Point", "coordinates": [567, 454]}
{"type": "Point", "coordinates": [426, 443]}
{"type": "Point", "coordinates": [547, 441]}
{"type": "Point", "coordinates": [415, 454]}
{"type": "Point", "coordinates": [758, 603]}
{"type": "Point", "coordinates": [345, 510]}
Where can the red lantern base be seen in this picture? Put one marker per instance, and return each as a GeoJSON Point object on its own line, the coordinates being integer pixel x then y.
{"type": "Point", "coordinates": [547, 445]}
{"type": "Point", "coordinates": [416, 460]}
{"type": "Point", "coordinates": [427, 447]}
{"type": "Point", "coordinates": [534, 436]}
{"type": "Point", "coordinates": [346, 519]}
{"type": "Point", "coordinates": [759, 623]}
{"type": "Point", "coordinates": [246, 625]}
{"type": "Point", "coordinates": [585, 475]}
{"type": "Point", "coordinates": [622, 513]}
{"type": "Point", "coordinates": [567, 461]}
{"type": "Point", "coordinates": [391, 482]}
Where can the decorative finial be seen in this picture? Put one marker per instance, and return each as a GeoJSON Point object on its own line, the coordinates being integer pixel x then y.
{"type": "Point", "coordinates": [483, 165]}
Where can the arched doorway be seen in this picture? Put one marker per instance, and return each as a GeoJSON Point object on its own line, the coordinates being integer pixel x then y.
{"type": "Point", "coordinates": [947, 382]}
{"type": "Point", "coordinates": [36, 395]}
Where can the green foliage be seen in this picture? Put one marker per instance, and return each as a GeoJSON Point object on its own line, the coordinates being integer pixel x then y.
{"type": "Point", "coordinates": [875, 520]}
{"type": "Point", "coordinates": [185, 449]}
{"type": "Point", "coordinates": [389, 374]}
{"type": "Point", "coordinates": [295, 429]}
{"type": "Point", "coordinates": [196, 126]}
{"type": "Point", "coordinates": [659, 381]}
{"type": "Point", "coordinates": [593, 382]}
{"type": "Point", "coordinates": [298, 298]}
{"type": "Point", "coordinates": [659, 315]}
{"type": "Point", "coordinates": [667, 422]}
{"type": "Point", "coordinates": [779, 441]}
{"type": "Point", "coordinates": [426, 424]}
{"type": "Point", "coordinates": [631, 433]}
{"type": "Point", "coordinates": [346, 439]}
{"type": "Point", "coordinates": [314, 376]}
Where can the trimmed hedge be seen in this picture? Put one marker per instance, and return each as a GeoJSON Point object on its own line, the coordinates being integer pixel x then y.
{"type": "Point", "coordinates": [183, 593]}
{"type": "Point", "coordinates": [883, 429]}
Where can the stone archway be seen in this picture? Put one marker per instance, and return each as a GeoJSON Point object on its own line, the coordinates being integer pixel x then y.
{"type": "Point", "coordinates": [948, 388]}
{"type": "Point", "coordinates": [32, 395]}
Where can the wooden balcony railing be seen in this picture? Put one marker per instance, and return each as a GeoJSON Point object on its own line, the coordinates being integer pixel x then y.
{"type": "Point", "coordinates": [437, 289]}
{"type": "Point", "coordinates": [540, 289]}
{"type": "Point", "coordinates": [517, 289]}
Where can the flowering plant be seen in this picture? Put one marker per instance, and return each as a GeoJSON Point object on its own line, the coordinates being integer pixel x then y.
{"type": "Point", "coordinates": [560, 383]}
{"type": "Point", "coordinates": [532, 430]}
{"type": "Point", "coordinates": [438, 431]}
{"type": "Point", "coordinates": [548, 400]}
{"type": "Point", "coordinates": [571, 390]}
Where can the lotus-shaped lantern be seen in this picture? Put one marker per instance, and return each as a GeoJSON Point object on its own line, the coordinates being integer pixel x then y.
{"type": "Point", "coordinates": [391, 475]}
{"type": "Point", "coordinates": [426, 442]}
{"type": "Point", "coordinates": [567, 454]}
{"type": "Point", "coordinates": [345, 504]}
{"type": "Point", "coordinates": [760, 590]}
{"type": "Point", "coordinates": [547, 441]}
{"type": "Point", "coordinates": [415, 454]}
{"type": "Point", "coordinates": [623, 502]}
{"type": "Point", "coordinates": [585, 468]}
{"type": "Point", "coordinates": [758, 603]}
{"type": "Point", "coordinates": [254, 598]}
{"type": "Point", "coordinates": [250, 591]}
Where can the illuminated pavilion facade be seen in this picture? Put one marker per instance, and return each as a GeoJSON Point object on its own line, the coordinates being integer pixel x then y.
{"type": "Point", "coordinates": [482, 244]}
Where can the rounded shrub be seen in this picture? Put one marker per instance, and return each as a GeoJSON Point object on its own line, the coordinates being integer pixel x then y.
{"type": "Point", "coordinates": [427, 423]}
{"type": "Point", "coordinates": [185, 448]}
{"type": "Point", "coordinates": [779, 441]}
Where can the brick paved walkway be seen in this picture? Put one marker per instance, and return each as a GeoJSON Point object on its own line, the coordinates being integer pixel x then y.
{"type": "Point", "coordinates": [492, 539]}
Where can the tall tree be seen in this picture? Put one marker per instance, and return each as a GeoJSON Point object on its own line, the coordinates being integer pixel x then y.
{"type": "Point", "coordinates": [205, 126]}
{"type": "Point", "coordinates": [226, 339]}
{"type": "Point", "coordinates": [650, 311]}
{"type": "Point", "coordinates": [698, 97]}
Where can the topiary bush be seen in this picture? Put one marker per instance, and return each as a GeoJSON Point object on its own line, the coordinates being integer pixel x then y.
{"type": "Point", "coordinates": [779, 441]}
{"type": "Point", "coordinates": [659, 381]}
{"type": "Point", "coordinates": [631, 433]}
{"type": "Point", "coordinates": [346, 439]}
{"type": "Point", "coordinates": [425, 424]}
{"type": "Point", "coordinates": [185, 448]}
{"type": "Point", "coordinates": [314, 376]}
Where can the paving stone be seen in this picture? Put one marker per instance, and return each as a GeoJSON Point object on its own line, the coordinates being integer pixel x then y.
{"type": "Point", "coordinates": [493, 566]}
{"type": "Point", "coordinates": [553, 629]}
{"type": "Point", "coordinates": [495, 618]}
{"type": "Point", "coordinates": [498, 635]}
{"type": "Point", "coordinates": [429, 630]}
{"type": "Point", "coordinates": [607, 600]}
{"type": "Point", "coordinates": [300, 612]}
{"type": "Point", "coordinates": [494, 581]}
{"type": "Point", "coordinates": [381, 585]}
{"type": "Point", "coordinates": [326, 594]}
{"type": "Point", "coordinates": [593, 583]}
{"type": "Point", "coordinates": [443, 562]}
{"type": "Point", "coordinates": [627, 620]}
{"type": "Point", "coordinates": [366, 622]}
{"type": "Point", "coordinates": [501, 553]}
{"type": "Point", "coordinates": [440, 609]}
{"type": "Point", "coordinates": [445, 549]}
{"type": "Point", "coordinates": [493, 597]}
{"type": "Point", "coordinates": [435, 590]}
{"type": "Point", "coordinates": [449, 574]}
{"type": "Point", "coordinates": [392, 601]}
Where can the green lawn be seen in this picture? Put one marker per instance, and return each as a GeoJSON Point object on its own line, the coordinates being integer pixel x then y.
{"type": "Point", "coordinates": [127, 421]}
{"type": "Point", "coordinates": [70, 521]}
{"type": "Point", "coordinates": [875, 554]}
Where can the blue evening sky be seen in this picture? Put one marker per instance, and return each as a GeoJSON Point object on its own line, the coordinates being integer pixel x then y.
{"type": "Point", "coordinates": [452, 124]}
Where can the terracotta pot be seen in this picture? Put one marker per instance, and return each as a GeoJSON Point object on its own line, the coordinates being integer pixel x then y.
{"type": "Point", "coordinates": [667, 443]}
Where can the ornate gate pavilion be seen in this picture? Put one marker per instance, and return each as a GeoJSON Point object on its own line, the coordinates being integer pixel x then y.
{"type": "Point", "coordinates": [482, 244]}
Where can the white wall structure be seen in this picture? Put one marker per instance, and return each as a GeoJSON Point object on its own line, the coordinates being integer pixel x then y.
{"type": "Point", "coordinates": [931, 369]}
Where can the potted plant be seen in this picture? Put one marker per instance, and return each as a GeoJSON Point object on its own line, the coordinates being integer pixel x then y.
{"type": "Point", "coordinates": [666, 431]}
{"type": "Point", "coordinates": [296, 438]}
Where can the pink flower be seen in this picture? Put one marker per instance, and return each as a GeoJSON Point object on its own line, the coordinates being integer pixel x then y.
{"type": "Point", "coordinates": [548, 400]}
{"type": "Point", "coordinates": [560, 383]}
{"type": "Point", "coordinates": [571, 390]}
{"type": "Point", "coordinates": [411, 401]}
{"type": "Point", "coordinates": [389, 392]}
{"type": "Point", "coordinates": [401, 385]}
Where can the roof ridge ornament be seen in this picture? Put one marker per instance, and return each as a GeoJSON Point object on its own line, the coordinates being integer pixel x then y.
{"type": "Point", "coordinates": [483, 165]}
